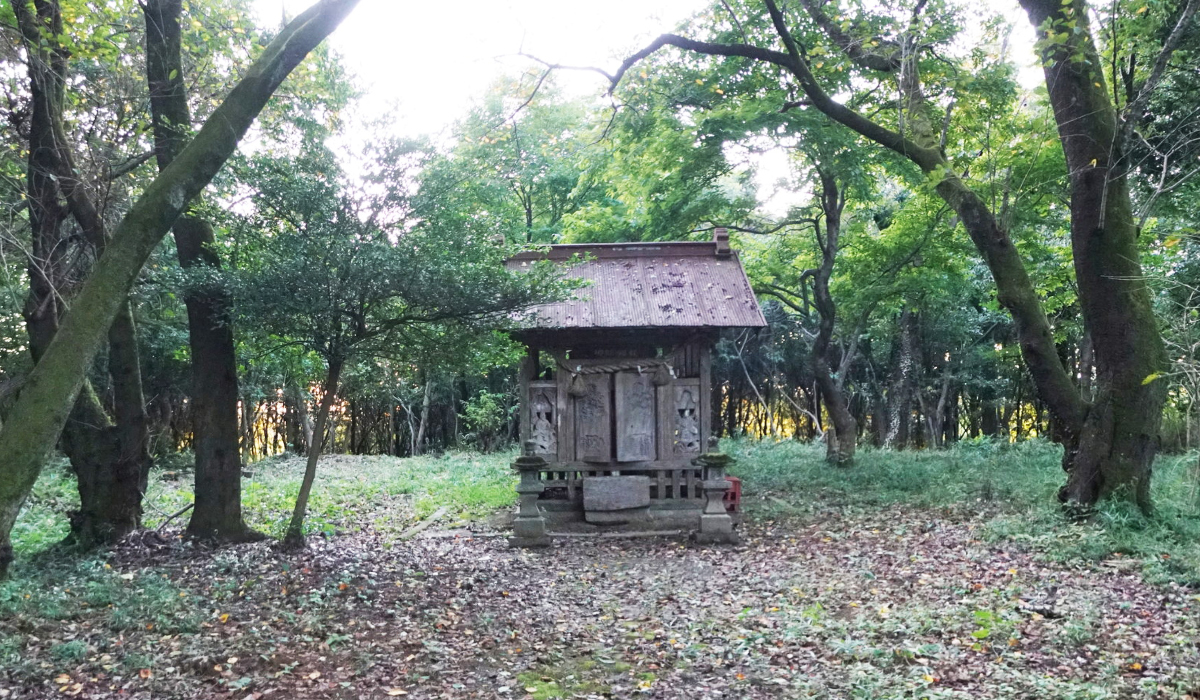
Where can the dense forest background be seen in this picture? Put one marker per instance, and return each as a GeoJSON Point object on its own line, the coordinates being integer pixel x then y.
{"type": "Point", "coordinates": [886, 327]}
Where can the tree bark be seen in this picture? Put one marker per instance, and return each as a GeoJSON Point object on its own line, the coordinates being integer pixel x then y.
{"type": "Point", "coordinates": [44, 405]}
{"type": "Point", "coordinates": [841, 439]}
{"type": "Point", "coordinates": [294, 539]}
{"type": "Point", "coordinates": [1114, 450]}
{"type": "Point", "coordinates": [935, 416]}
{"type": "Point", "coordinates": [214, 391]}
{"type": "Point", "coordinates": [989, 419]}
{"type": "Point", "coordinates": [306, 423]}
{"type": "Point", "coordinates": [423, 426]}
{"type": "Point", "coordinates": [1119, 436]}
{"type": "Point", "coordinates": [900, 387]}
{"type": "Point", "coordinates": [110, 459]}
{"type": "Point", "coordinates": [1086, 365]}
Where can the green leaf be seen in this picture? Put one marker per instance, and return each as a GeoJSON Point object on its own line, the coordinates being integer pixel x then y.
{"type": "Point", "coordinates": [172, 74]}
{"type": "Point", "coordinates": [981, 633]}
{"type": "Point", "coordinates": [1151, 377]}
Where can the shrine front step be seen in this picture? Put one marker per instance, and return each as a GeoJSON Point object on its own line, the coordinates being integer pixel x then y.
{"type": "Point", "coordinates": [616, 500]}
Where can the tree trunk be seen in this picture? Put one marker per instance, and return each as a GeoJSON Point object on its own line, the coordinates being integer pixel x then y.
{"type": "Point", "coordinates": [218, 479]}
{"type": "Point", "coordinates": [935, 416]}
{"type": "Point", "coordinates": [294, 539]}
{"type": "Point", "coordinates": [841, 439]}
{"type": "Point", "coordinates": [989, 418]}
{"type": "Point", "coordinates": [1114, 450]}
{"type": "Point", "coordinates": [423, 425]}
{"type": "Point", "coordinates": [214, 391]}
{"type": "Point", "coordinates": [45, 403]}
{"type": "Point", "coordinates": [880, 420]}
{"type": "Point", "coordinates": [950, 427]}
{"type": "Point", "coordinates": [904, 368]}
{"type": "Point", "coordinates": [1116, 446]}
{"type": "Point", "coordinates": [1086, 366]}
{"type": "Point", "coordinates": [304, 418]}
{"type": "Point", "coordinates": [111, 461]}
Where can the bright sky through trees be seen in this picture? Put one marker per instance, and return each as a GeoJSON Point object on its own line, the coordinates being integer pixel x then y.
{"type": "Point", "coordinates": [423, 63]}
{"type": "Point", "coordinates": [426, 61]}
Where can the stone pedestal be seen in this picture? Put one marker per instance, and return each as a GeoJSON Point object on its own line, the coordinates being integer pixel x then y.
{"type": "Point", "coordinates": [616, 500]}
{"type": "Point", "coordinates": [529, 527]}
{"type": "Point", "coordinates": [716, 525]}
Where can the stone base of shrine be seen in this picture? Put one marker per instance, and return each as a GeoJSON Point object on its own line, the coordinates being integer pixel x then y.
{"type": "Point", "coordinates": [567, 516]}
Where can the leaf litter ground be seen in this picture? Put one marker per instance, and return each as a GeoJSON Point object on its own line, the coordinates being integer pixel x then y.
{"type": "Point", "coordinates": [894, 602]}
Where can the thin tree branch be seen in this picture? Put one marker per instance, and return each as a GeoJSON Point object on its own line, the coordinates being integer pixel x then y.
{"type": "Point", "coordinates": [887, 62]}
{"type": "Point", "coordinates": [1133, 112]}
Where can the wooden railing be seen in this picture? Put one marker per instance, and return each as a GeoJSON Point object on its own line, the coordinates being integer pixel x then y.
{"type": "Point", "coordinates": [669, 484]}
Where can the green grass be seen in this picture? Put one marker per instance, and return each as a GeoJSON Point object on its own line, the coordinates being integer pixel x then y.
{"type": "Point", "coordinates": [51, 581]}
{"type": "Point", "coordinates": [972, 471]}
{"type": "Point", "coordinates": [64, 589]}
{"type": "Point", "coordinates": [386, 492]}
{"type": "Point", "coordinates": [578, 677]}
{"type": "Point", "coordinates": [43, 522]}
{"type": "Point", "coordinates": [1014, 485]}
{"type": "Point", "coordinates": [1006, 490]}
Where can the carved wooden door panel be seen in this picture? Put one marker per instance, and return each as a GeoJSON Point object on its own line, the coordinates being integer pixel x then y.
{"type": "Point", "coordinates": [593, 419]}
{"type": "Point", "coordinates": [684, 418]}
{"type": "Point", "coordinates": [543, 421]}
{"type": "Point", "coordinates": [634, 399]}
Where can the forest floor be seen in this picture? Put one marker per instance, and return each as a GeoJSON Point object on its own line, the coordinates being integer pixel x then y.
{"type": "Point", "coordinates": [924, 575]}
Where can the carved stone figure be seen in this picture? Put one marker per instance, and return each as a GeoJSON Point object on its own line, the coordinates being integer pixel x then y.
{"type": "Point", "coordinates": [687, 422]}
{"type": "Point", "coordinates": [543, 432]}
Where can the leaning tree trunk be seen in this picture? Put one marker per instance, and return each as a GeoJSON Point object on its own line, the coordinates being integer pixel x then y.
{"type": "Point", "coordinates": [214, 391]}
{"type": "Point", "coordinates": [842, 436]}
{"type": "Point", "coordinates": [45, 403]}
{"type": "Point", "coordinates": [1115, 449]}
{"type": "Point", "coordinates": [294, 539]}
{"type": "Point", "coordinates": [110, 459]}
{"type": "Point", "coordinates": [1105, 252]}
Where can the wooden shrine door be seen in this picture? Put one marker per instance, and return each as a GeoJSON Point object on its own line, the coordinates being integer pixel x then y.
{"type": "Point", "coordinates": [593, 419]}
{"type": "Point", "coordinates": [635, 421]}
{"type": "Point", "coordinates": [607, 412]}
{"type": "Point", "coordinates": [615, 418]}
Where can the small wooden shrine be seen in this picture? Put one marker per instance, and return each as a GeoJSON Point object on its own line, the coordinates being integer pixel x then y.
{"type": "Point", "coordinates": [616, 395]}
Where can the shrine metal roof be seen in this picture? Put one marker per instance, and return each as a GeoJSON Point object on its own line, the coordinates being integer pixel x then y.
{"type": "Point", "coordinates": [648, 285]}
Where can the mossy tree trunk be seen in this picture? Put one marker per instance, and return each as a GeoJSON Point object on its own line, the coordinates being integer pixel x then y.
{"type": "Point", "coordinates": [214, 390]}
{"type": "Point", "coordinates": [38, 416]}
{"type": "Point", "coordinates": [1116, 447]}
{"type": "Point", "coordinates": [1109, 443]}
{"type": "Point", "coordinates": [840, 438]}
{"type": "Point", "coordinates": [109, 454]}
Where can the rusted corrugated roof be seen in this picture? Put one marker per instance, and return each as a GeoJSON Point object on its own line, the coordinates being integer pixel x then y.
{"type": "Point", "coordinates": [649, 285]}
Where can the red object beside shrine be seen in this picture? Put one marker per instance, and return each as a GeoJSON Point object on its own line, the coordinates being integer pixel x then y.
{"type": "Point", "coordinates": [733, 497]}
